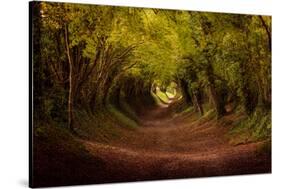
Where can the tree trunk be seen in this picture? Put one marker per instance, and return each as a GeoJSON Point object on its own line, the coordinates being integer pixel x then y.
{"type": "Point", "coordinates": [186, 95]}
{"type": "Point", "coordinates": [219, 106]}
{"type": "Point", "coordinates": [93, 99]}
{"type": "Point", "coordinates": [117, 97]}
{"type": "Point", "coordinates": [197, 103]}
{"type": "Point", "coordinates": [215, 97]}
{"type": "Point", "coordinates": [71, 83]}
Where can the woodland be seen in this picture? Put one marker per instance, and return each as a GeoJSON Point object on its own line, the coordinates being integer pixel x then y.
{"type": "Point", "coordinates": [129, 94]}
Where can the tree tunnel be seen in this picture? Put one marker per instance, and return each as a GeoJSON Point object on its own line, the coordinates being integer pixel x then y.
{"type": "Point", "coordinates": [133, 59]}
{"type": "Point", "coordinates": [126, 94]}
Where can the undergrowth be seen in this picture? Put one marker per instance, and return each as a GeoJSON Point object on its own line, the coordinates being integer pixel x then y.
{"type": "Point", "coordinates": [128, 111]}
{"type": "Point", "coordinates": [256, 127]}
{"type": "Point", "coordinates": [121, 118]}
{"type": "Point", "coordinates": [104, 125]}
{"type": "Point", "coordinates": [99, 126]}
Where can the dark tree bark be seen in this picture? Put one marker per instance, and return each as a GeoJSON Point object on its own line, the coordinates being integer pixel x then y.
{"type": "Point", "coordinates": [185, 90]}
{"type": "Point", "coordinates": [215, 97]}
{"type": "Point", "coordinates": [216, 101]}
{"type": "Point", "coordinates": [197, 102]}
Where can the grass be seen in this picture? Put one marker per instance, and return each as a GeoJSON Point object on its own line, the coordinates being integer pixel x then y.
{"type": "Point", "coordinates": [188, 110]}
{"type": "Point", "coordinates": [183, 111]}
{"type": "Point", "coordinates": [122, 118]}
{"type": "Point", "coordinates": [100, 126]}
{"type": "Point", "coordinates": [105, 125]}
{"type": "Point", "coordinates": [256, 127]}
{"type": "Point", "coordinates": [53, 135]}
{"type": "Point", "coordinates": [128, 111]}
{"type": "Point", "coordinates": [208, 116]}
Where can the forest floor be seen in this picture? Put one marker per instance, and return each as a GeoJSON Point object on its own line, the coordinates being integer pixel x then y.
{"type": "Point", "coordinates": [178, 147]}
{"type": "Point", "coordinates": [163, 147]}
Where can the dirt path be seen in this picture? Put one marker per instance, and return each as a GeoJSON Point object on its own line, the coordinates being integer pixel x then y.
{"type": "Point", "coordinates": [176, 147]}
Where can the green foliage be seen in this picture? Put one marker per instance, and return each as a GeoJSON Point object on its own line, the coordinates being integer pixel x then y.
{"type": "Point", "coordinates": [119, 51]}
{"type": "Point", "coordinates": [169, 94]}
{"type": "Point", "coordinates": [162, 96]}
{"type": "Point", "coordinates": [254, 128]}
